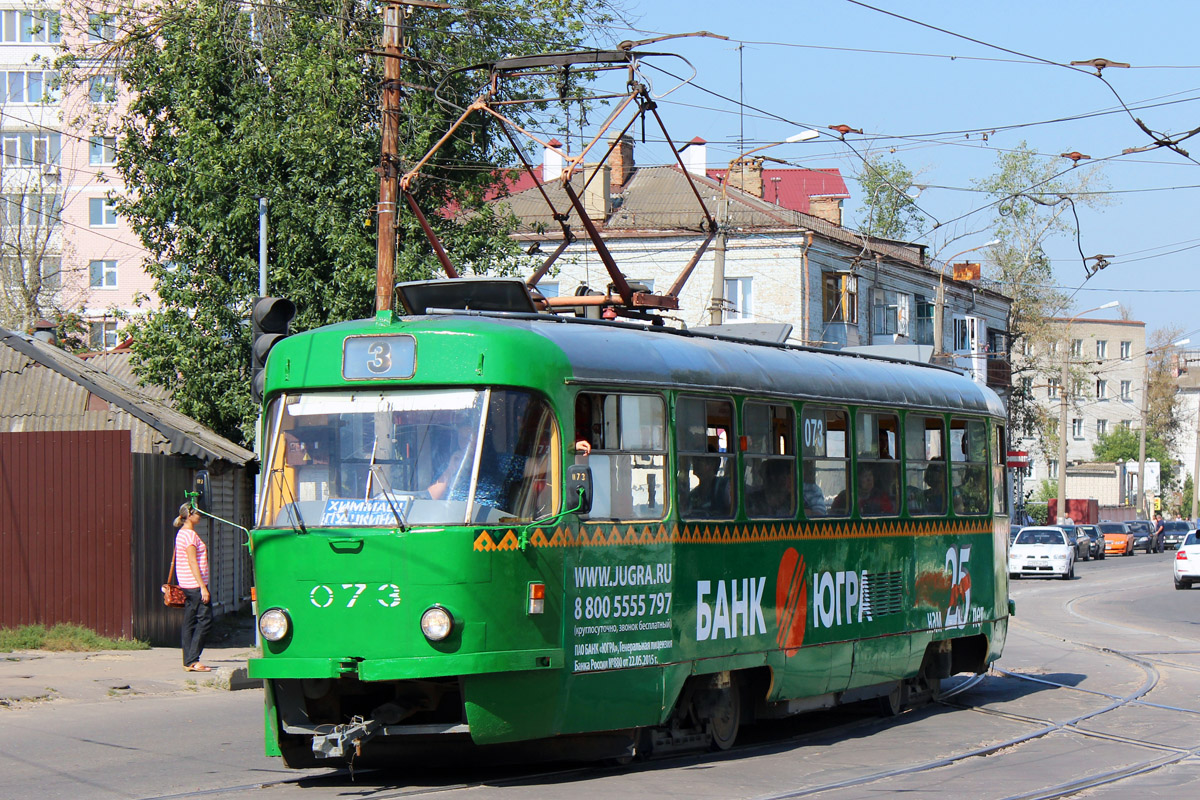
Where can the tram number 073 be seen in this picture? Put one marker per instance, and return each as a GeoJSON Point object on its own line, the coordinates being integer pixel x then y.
{"type": "Point", "coordinates": [622, 606]}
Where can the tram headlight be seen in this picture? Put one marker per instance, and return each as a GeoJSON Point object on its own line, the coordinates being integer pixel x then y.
{"type": "Point", "coordinates": [274, 624]}
{"type": "Point", "coordinates": [436, 623]}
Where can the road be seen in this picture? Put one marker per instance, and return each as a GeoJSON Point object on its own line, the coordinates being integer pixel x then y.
{"type": "Point", "coordinates": [1098, 691]}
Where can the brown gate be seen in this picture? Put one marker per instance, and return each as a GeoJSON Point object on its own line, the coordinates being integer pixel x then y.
{"type": "Point", "coordinates": [65, 530]}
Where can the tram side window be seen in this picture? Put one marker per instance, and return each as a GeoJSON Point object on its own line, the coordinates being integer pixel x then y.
{"type": "Point", "coordinates": [925, 454]}
{"type": "Point", "coordinates": [622, 439]}
{"type": "Point", "coordinates": [704, 442]}
{"type": "Point", "coordinates": [999, 472]}
{"type": "Point", "coordinates": [770, 476]}
{"type": "Point", "coordinates": [968, 457]}
{"type": "Point", "coordinates": [826, 462]}
{"type": "Point", "coordinates": [878, 450]}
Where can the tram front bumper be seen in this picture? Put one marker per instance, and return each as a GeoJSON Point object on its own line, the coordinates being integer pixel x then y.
{"type": "Point", "coordinates": [385, 669]}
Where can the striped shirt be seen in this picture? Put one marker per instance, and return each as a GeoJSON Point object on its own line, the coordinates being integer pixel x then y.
{"type": "Point", "coordinates": [183, 571]}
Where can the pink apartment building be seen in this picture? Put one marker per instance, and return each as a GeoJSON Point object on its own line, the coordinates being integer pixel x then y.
{"type": "Point", "coordinates": [62, 246]}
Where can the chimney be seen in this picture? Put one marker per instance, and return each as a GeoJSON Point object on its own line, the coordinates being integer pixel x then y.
{"type": "Point", "coordinates": [597, 198]}
{"type": "Point", "coordinates": [552, 162]}
{"type": "Point", "coordinates": [827, 208]}
{"type": "Point", "coordinates": [695, 156]}
{"type": "Point", "coordinates": [621, 162]}
{"type": "Point", "coordinates": [747, 176]}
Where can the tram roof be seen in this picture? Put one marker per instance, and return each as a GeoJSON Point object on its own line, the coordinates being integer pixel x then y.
{"type": "Point", "coordinates": [632, 355]}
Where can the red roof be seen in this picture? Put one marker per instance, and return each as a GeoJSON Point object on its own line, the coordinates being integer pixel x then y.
{"type": "Point", "coordinates": [792, 190]}
{"type": "Point", "coordinates": [794, 187]}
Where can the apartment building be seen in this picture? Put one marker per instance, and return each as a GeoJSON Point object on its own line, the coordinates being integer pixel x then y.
{"type": "Point", "coordinates": [63, 247]}
{"type": "Point", "coordinates": [1106, 362]}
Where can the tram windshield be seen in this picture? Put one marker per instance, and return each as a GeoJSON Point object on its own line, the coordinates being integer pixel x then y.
{"type": "Point", "coordinates": [393, 459]}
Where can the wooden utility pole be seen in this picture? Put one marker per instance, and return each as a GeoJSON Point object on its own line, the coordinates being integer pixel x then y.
{"type": "Point", "coordinates": [385, 247]}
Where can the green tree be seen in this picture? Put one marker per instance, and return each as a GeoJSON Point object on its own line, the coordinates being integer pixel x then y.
{"type": "Point", "coordinates": [1034, 198]}
{"type": "Point", "coordinates": [1122, 444]}
{"type": "Point", "coordinates": [888, 209]}
{"type": "Point", "coordinates": [237, 102]}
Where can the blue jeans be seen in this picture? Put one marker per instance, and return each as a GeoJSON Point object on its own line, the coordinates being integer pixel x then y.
{"type": "Point", "coordinates": [197, 621]}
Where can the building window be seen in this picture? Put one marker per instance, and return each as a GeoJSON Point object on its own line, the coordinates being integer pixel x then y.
{"type": "Point", "coordinates": [103, 335]}
{"type": "Point", "coordinates": [32, 86]}
{"type": "Point", "coordinates": [1101, 427]}
{"type": "Point", "coordinates": [102, 150]}
{"type": "Point", "coordinates": [101, 212]}
{"type": "Point", "coordinates": [924, 328]}
{"type": "Point", "coordinates": [889, 313]}
{"type": "Point", "coordinates": [1027, 386]}
{"type": "Point", "coordinates": [739, 299]}
{"type": "Point", "coordinates": [1077, 391]}
{"type": "Point", "coordinates": [103, 274]}
{"type": "Point", "coordinates": [34, 211]}
{"type": "Point", "coordinates": [1126, 424]}
{"type": "Point", "coordinates": [841, 297]}
{"type": "Point", "coordinates": [1125, 389]}
{"type": "Point", "coordinates": [27, 148]}
{"type": "Point", "coordinates": [1076, 348]}
{"type": "Point", "coordinates": [1101, 389]}
{"type": "Point", "coordinates": [1052, 388]}
{"type": "Point", "coordinates": [1054, 348]}
{"type": "Point", "coordinates": [1126, 349]}
{"type": "Point", "coordinates": [1101, 348]}
{"type": "Point", "coordinates": [1077, 428]}
{"type": "Point", "coordinates": [1026, 348]}
{"type": "Point", "coordinates": [1052, 468]}
{"type": "Point", "coordinates": [102, 89]}
{"type": "Point", "coordinates": [101, 28]}
{"type": "Point", "coordinates": [32, 27]}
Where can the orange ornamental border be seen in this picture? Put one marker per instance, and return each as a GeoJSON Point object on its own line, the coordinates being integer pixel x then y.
{"type": "Point", "coordinates": [635, 534]}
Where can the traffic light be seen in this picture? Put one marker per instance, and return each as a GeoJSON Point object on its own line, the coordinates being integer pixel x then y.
{"type": "Point", "coordinates": [269, 321]}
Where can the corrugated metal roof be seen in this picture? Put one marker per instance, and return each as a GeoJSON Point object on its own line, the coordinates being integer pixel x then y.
{"type": "Point", "coordinates": [45, 388]}
{"type": "Point", "coordinates": [119, 364]}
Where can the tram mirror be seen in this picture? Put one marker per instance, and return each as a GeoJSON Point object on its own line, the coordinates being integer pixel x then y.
{"type": "Point", "coordinates": [579, 477]}
{"type": "Point", "coordinates": [200, 487]}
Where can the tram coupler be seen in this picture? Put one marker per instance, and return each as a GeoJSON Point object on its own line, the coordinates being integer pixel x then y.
{"type": "Point", "coordinates": [354, 733]}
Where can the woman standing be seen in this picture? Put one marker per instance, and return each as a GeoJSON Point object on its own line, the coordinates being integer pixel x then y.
{"type": "Point", "coordinates": [191, 565]}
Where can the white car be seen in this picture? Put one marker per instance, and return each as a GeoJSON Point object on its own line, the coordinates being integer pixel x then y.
{"type": "Point", "coordinates": [1186, 564]}
{"type": "Point", "coordinates": [1045, 551]}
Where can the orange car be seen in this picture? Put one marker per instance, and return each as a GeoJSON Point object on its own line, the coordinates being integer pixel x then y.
{"type": "Point", "coordinates": [1118, 539]}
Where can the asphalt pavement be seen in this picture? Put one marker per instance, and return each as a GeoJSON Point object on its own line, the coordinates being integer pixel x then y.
{"type": "Point", "coordinates": [31, 677]}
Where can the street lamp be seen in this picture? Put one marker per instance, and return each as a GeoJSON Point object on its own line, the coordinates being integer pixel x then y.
{"type": "Point", "coordinates": [717, 310]}
{"type": "Point", "coordinates": [1141, 500]}
{"type": "Point", "coordinates": [939, 306]}
{"type": "Point", "coordinates": [1061, 513]}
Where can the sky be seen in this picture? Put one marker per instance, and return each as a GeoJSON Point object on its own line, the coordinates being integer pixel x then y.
{"type": "Point", "coordinates": [947, 107]}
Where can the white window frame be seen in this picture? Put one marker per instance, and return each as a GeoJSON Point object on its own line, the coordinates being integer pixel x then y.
{"type": "Point", "coordinates": [102, 151]}
{"type": "Point", "coordinates": [1101, 348]}
{"type": "Point", "coordinates": [107, 215]}
{"type": "Point", "coordinates": [739, 299]}
{"type": "Point", "coordinates": [1127, 390]}
{"type": "Point", "coordinates": [1101, 427]}
{"type": "Point", "coordinates": [1077, 427]}
{"type": "Point", "coordinates": [1101, 389]}
{"type": "Point", "coordinates": [1126, 350]}
{"type": "Point", "coordinates": [102, 89]}
{"type": "Point", "coordinates": [107, 273]}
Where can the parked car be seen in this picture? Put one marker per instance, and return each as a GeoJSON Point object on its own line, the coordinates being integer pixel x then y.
{"type": "Point", "coordinates": [1079, 540]}
{"type": "Point", "coordinates": [1144, 537]}
{"type": "Point", "coordinates": [1186, 564]}
{"type": "Point", "coordinates": [1117, 538]}
{"type": "Point", "coordinates": [1096, 537]}
{"type": "Point", "coordinates": [1174, 533]}
{"type": "Point", "coordinates": [1045, 551]}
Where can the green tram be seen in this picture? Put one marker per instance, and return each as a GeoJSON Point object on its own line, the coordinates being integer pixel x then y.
{"type": "Point", "coordinates": [499, 527]}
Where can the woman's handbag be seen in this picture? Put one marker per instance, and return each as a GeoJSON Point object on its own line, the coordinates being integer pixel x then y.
{"type": "Point", "coordinates": [173, 596]}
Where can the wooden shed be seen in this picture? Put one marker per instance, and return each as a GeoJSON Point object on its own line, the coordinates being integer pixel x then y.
{"type": "Point", "coordinates": [92, 472]}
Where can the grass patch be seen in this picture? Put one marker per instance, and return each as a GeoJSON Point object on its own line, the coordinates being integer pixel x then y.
{"type": "Point", "coordinates": [63, 636]}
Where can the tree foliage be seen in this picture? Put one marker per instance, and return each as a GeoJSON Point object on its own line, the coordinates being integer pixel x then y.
{"type": "Point", "coordinates": [1123, 444]}
{"type": "Point", "coordinates": [280, 101]}
{"type": "Point", "coordinates": [1034, 198]}
{"type": "Point", "coordinates": [888, 210]}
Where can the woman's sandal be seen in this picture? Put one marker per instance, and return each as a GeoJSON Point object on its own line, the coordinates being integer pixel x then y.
{"type": "Point", "coordinates": [198, 668]}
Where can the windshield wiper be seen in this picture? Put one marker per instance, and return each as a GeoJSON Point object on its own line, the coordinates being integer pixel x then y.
{"type": "Point", "coordinates": [387, 495]}
{"type": "Point", "coordinates": [294, 515]}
